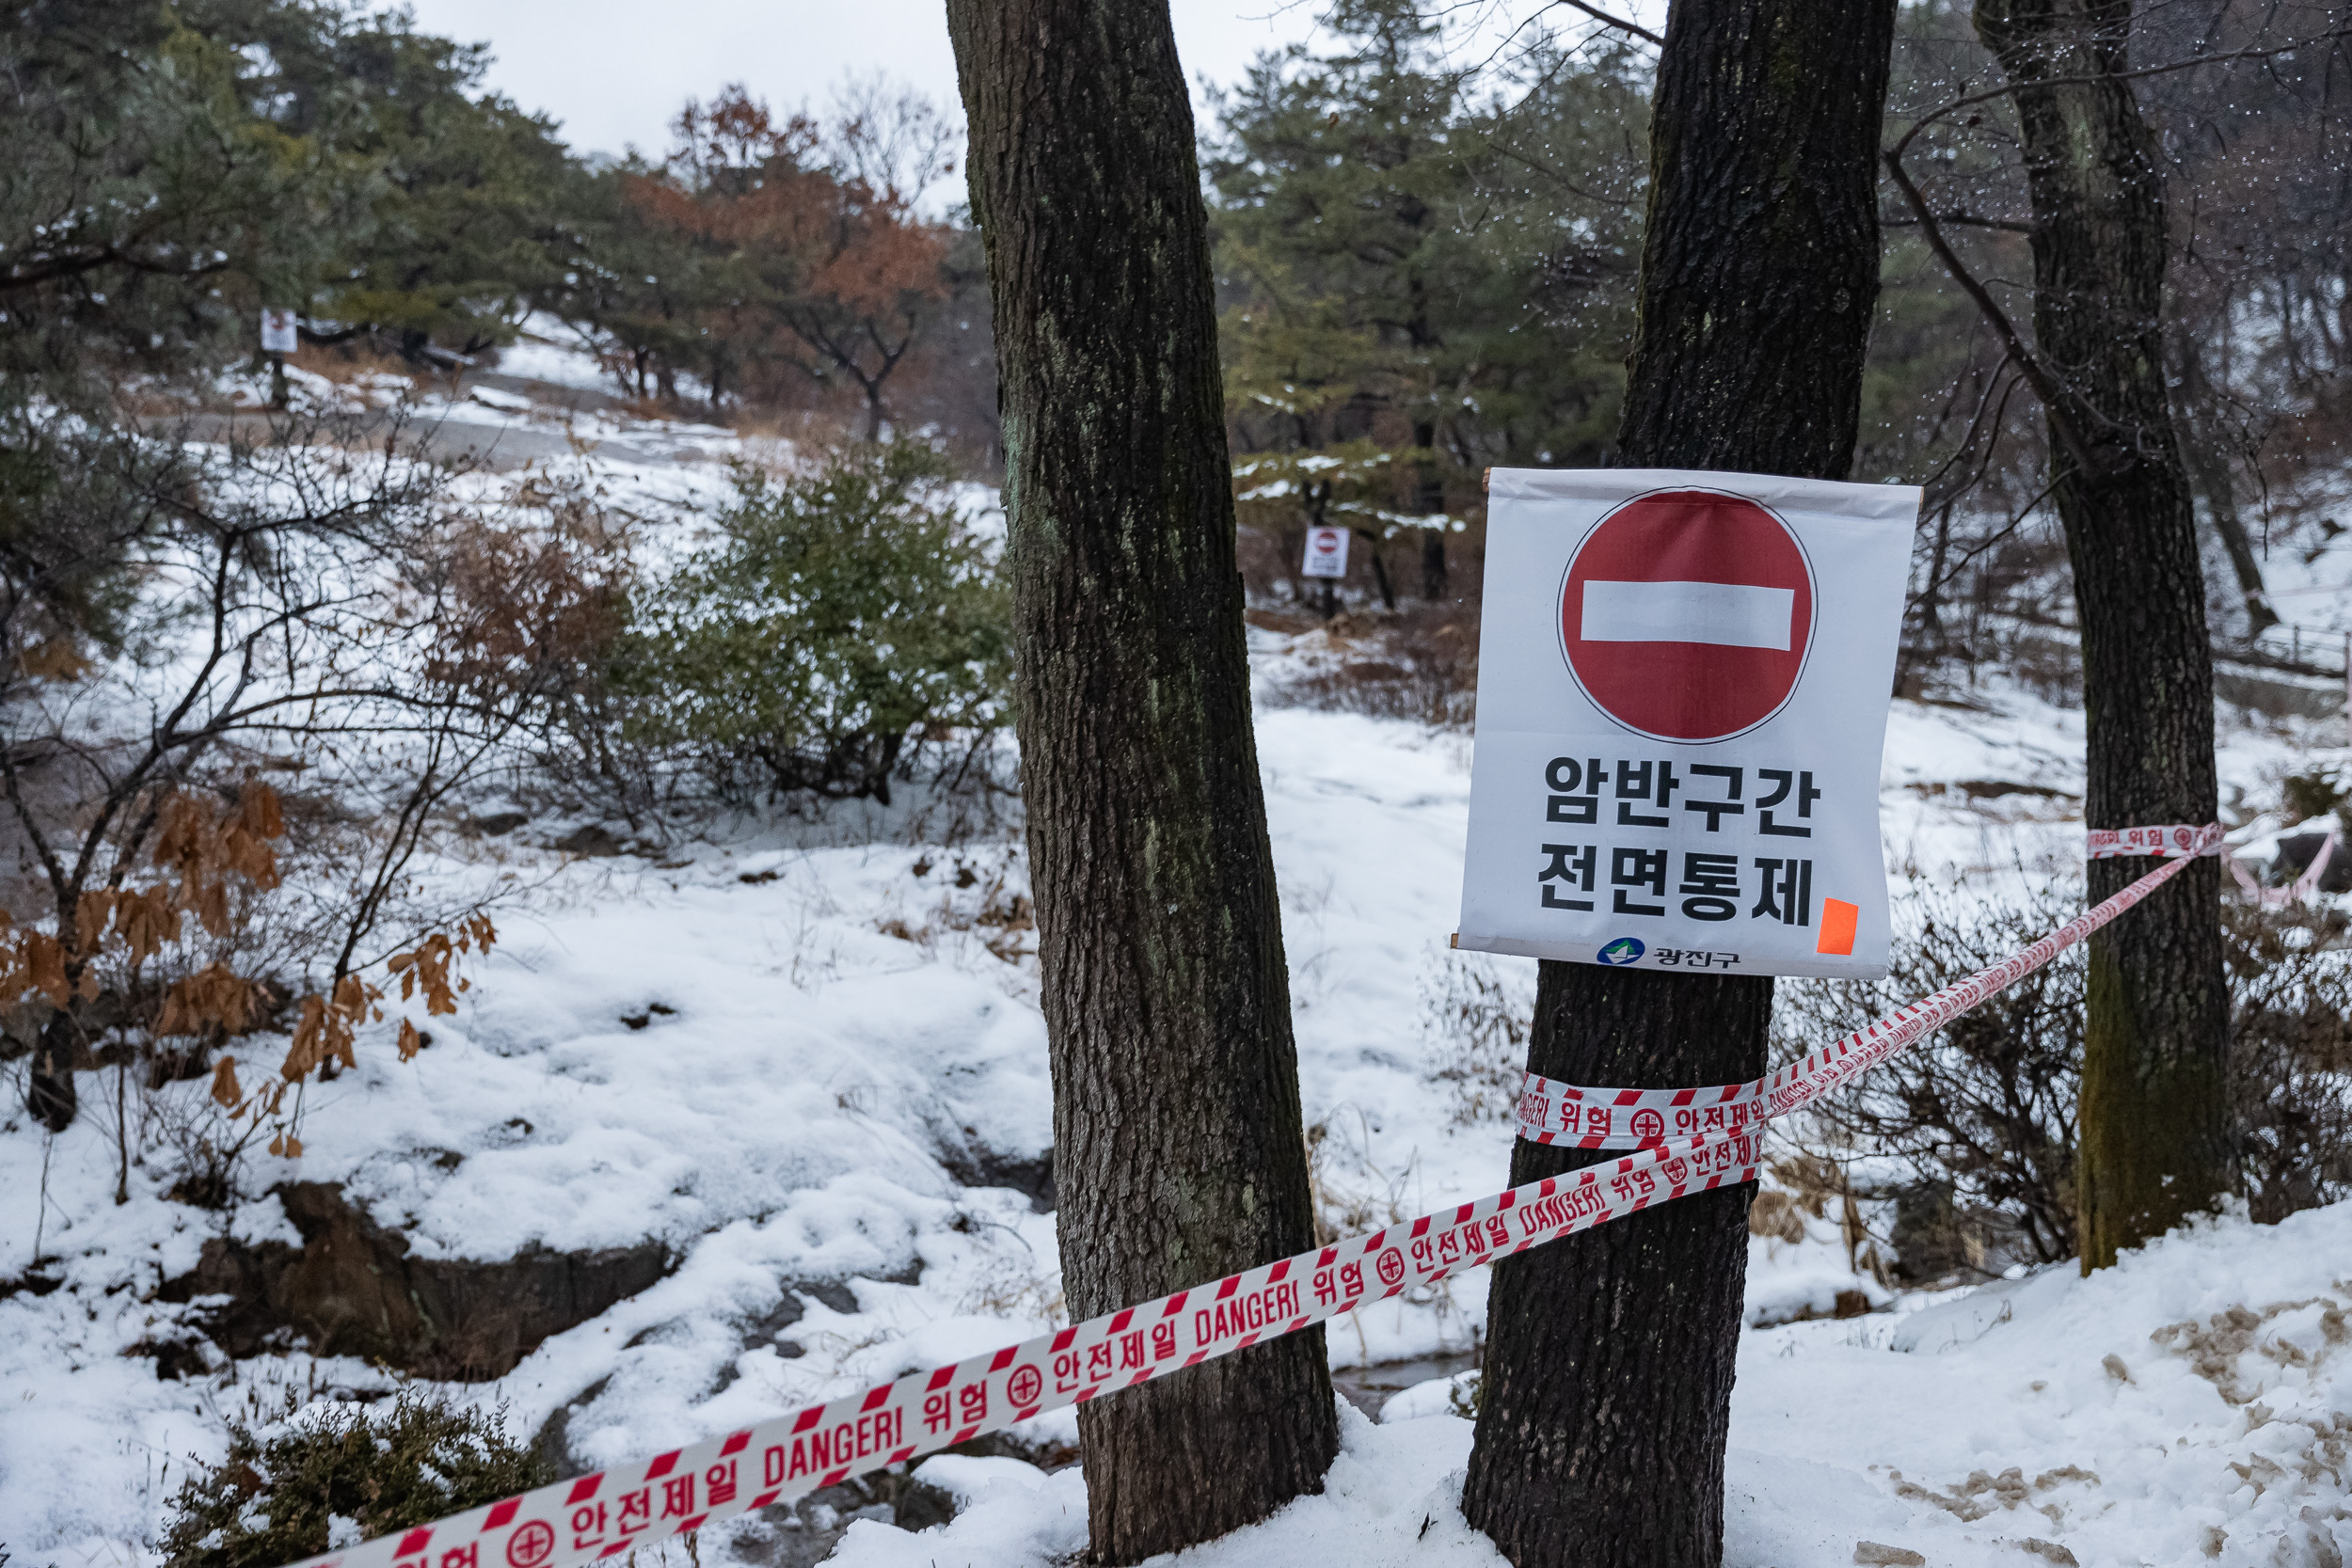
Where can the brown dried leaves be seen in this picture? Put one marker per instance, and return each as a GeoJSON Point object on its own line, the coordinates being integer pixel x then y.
{"type": "Point", "coordinates": [430, 966]}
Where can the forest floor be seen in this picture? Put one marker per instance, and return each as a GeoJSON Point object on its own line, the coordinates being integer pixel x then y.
{"type": "Point", "coordinates": [804, 1060]}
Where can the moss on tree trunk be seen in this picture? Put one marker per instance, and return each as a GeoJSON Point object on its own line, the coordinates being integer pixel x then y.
{"type": "Point", "coordinates": [2154, 1126]}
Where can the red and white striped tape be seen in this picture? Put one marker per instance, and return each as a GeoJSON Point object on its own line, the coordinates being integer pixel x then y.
{"type": "Point", "coordinates": [620, 1510]}
{"type": "Point", "coordinates": [617, 1510]}
{"type": "Point", "coordinates": [2303, 886]}
{"type": "Point", "coordinates": [2172, 840]}
{"type": "Point", "coordinates": [1550, 1111]}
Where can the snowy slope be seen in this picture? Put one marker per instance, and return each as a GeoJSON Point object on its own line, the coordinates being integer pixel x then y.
{"type": "Point", "coordinates": [808, 1059]}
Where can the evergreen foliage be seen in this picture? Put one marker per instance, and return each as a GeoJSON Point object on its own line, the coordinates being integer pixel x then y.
{"type": "Point", "coordinates": [284, 1489]}
{"type": "Point", "coordinates": [1405, 263]}
{"type": "Point", "coordinates": [843, 617]}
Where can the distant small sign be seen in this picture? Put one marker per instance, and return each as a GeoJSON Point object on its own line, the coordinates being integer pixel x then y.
{"type": "Point", "coordinates": [279, 334]}
{"type": "Point", "coordinates": [1327, 552]}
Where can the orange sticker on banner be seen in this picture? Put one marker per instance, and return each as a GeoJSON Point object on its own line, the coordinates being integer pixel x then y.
{"type": "Point", "coordinates": [1838, 919]}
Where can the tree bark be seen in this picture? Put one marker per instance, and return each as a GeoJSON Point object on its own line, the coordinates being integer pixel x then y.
{"type": "Point", "coordinates": [1180, 1154]}
{"type": "Point", "coordinates": [2154, 1137]}
{"type": "Point", "coordinates": [1610, 1355]}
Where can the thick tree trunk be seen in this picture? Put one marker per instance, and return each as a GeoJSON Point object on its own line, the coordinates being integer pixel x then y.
{"type": "Point", "coordinates": [1178, 1149]}
{"type": "Point", "coordinates": [2155, 1140]}
{"type": "Point", "coordinates": [1609, 1355]}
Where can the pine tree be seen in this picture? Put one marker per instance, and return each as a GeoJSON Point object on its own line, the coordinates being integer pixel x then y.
{"type": "Point", "coordinates": [1178, 1149]}
{"type": "Point", "coordinates": [1607, 1394]}
{"type": "Point", "coordinates": [1406, 272]}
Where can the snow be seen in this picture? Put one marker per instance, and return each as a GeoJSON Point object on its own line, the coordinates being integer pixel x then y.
{"type": "Point", "coordinates": [552, 351]}
{"type": "Point", "coordinates": [2187, 1406]}
{"type": "Point", "coordinates": [789, 1050]}
{"type": "Point", "coordinates": [1392, 1498]}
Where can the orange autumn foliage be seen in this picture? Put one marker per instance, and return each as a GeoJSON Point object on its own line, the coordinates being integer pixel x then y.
{"type": "Point", "coordinates": [813, 261]}
{"type": "Point", "coordinates": [204, 851]}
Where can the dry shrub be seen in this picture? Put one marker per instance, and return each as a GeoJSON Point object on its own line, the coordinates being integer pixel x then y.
{"type": "Point", "coordinates": [2291, 1055]}
{"type": "Point", "coordinates": [979, 899]}
{"type": "Point", "coordinates": [203, 851]}
{"type": "Point", "coordinates": [213, 857]}
{"type": "Point", "coordinates": [1777, 1215]}
{"type": "Point", "coordinates": [532, 610]}
{"type": "Point", "coordinates": [1419, 663]}
{"type": "Point", "coordinates": [1983, 1113]}
{"type": "Point", "coordinates": [1479, 1024]}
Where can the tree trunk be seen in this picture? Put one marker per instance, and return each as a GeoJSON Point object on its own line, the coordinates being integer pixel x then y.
{"type": "Point", "coordinates": [1429, 500]}
{"type": "Point", "coordinates": [1180, 1153]}
{"type": "Point", "coordinates": [1609, 1357]}
{"type": "Point", "coordinates": [2202, 447]}
{"type": "Point", "coordinates": [50, 1092]}
{"type": "Point", "coordinates": [2155, 1140]}
{"type": "Point", "coordinates": [1379, 568]}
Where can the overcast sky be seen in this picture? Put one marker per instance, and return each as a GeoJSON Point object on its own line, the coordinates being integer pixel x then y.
{"type": "Point", "coordinates": [615, 72]}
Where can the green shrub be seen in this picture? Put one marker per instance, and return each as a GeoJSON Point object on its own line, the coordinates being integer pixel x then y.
{"type": "Point", "coordinates": [845, 616]}
{"type": "Point", "coordinates": [382, 1468]}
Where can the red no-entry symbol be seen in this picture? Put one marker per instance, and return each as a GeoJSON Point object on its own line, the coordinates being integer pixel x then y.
{"type": "Point", "coordinates": [1686, 615]}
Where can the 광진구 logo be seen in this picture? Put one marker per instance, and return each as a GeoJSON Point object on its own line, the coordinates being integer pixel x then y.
{"type": "Point", "coordinates": [1623, 951]}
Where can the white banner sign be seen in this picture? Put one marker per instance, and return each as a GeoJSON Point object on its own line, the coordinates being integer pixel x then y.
{"type": "Point", "coordinates": [1326, 553]}
{"type": "Point", "coordinates": [279, 334]}
{"type": "Point", "coordinates": [1682, 691]}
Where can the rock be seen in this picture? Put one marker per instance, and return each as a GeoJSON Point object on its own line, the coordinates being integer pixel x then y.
{"type": "Point", "coordinates": [352, 1289]}
{"type": "Point", "coordinates": [922, 1505]}
{"type": "Point", "coordinates": [594, 840]}
{"type": "Point", "coordinates": [1887, 1557]}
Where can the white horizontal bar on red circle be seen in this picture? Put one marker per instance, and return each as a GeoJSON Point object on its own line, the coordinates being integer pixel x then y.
{"type": "Point", "coordinates": [1730, 614]}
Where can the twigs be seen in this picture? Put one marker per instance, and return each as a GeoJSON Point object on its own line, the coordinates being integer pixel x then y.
{"type": "Point", "coordinates": [2066, 412]}
{"type": "Point", "coordinates": [1620, 23]}
{"type": "Point", "coordinates": [2056, 402]}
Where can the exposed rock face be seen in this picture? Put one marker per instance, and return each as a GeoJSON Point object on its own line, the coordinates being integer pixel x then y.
{"type": "Point", "coordinates": [352, 1289]}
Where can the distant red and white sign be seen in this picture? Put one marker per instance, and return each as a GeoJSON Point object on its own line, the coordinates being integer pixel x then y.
{"type": "Point", "coordinates": [1326, 553]}
{"type": "Point", "coordinates": [279, 332]}
{"type": "Point", "coordinates": [1687, 615]}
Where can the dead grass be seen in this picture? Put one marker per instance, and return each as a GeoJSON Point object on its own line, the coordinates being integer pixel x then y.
{"type": "Point", "coordinates": [1420, 662]}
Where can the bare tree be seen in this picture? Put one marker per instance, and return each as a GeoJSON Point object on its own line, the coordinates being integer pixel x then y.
{"type": "Point", "coordinates": [285, 608]}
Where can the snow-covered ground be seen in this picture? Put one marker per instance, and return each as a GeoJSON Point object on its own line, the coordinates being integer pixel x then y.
{"type": "Point", "coordinates": [2192, 1405]}
{"type": "Point", "coordinates": [792, 1053]}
